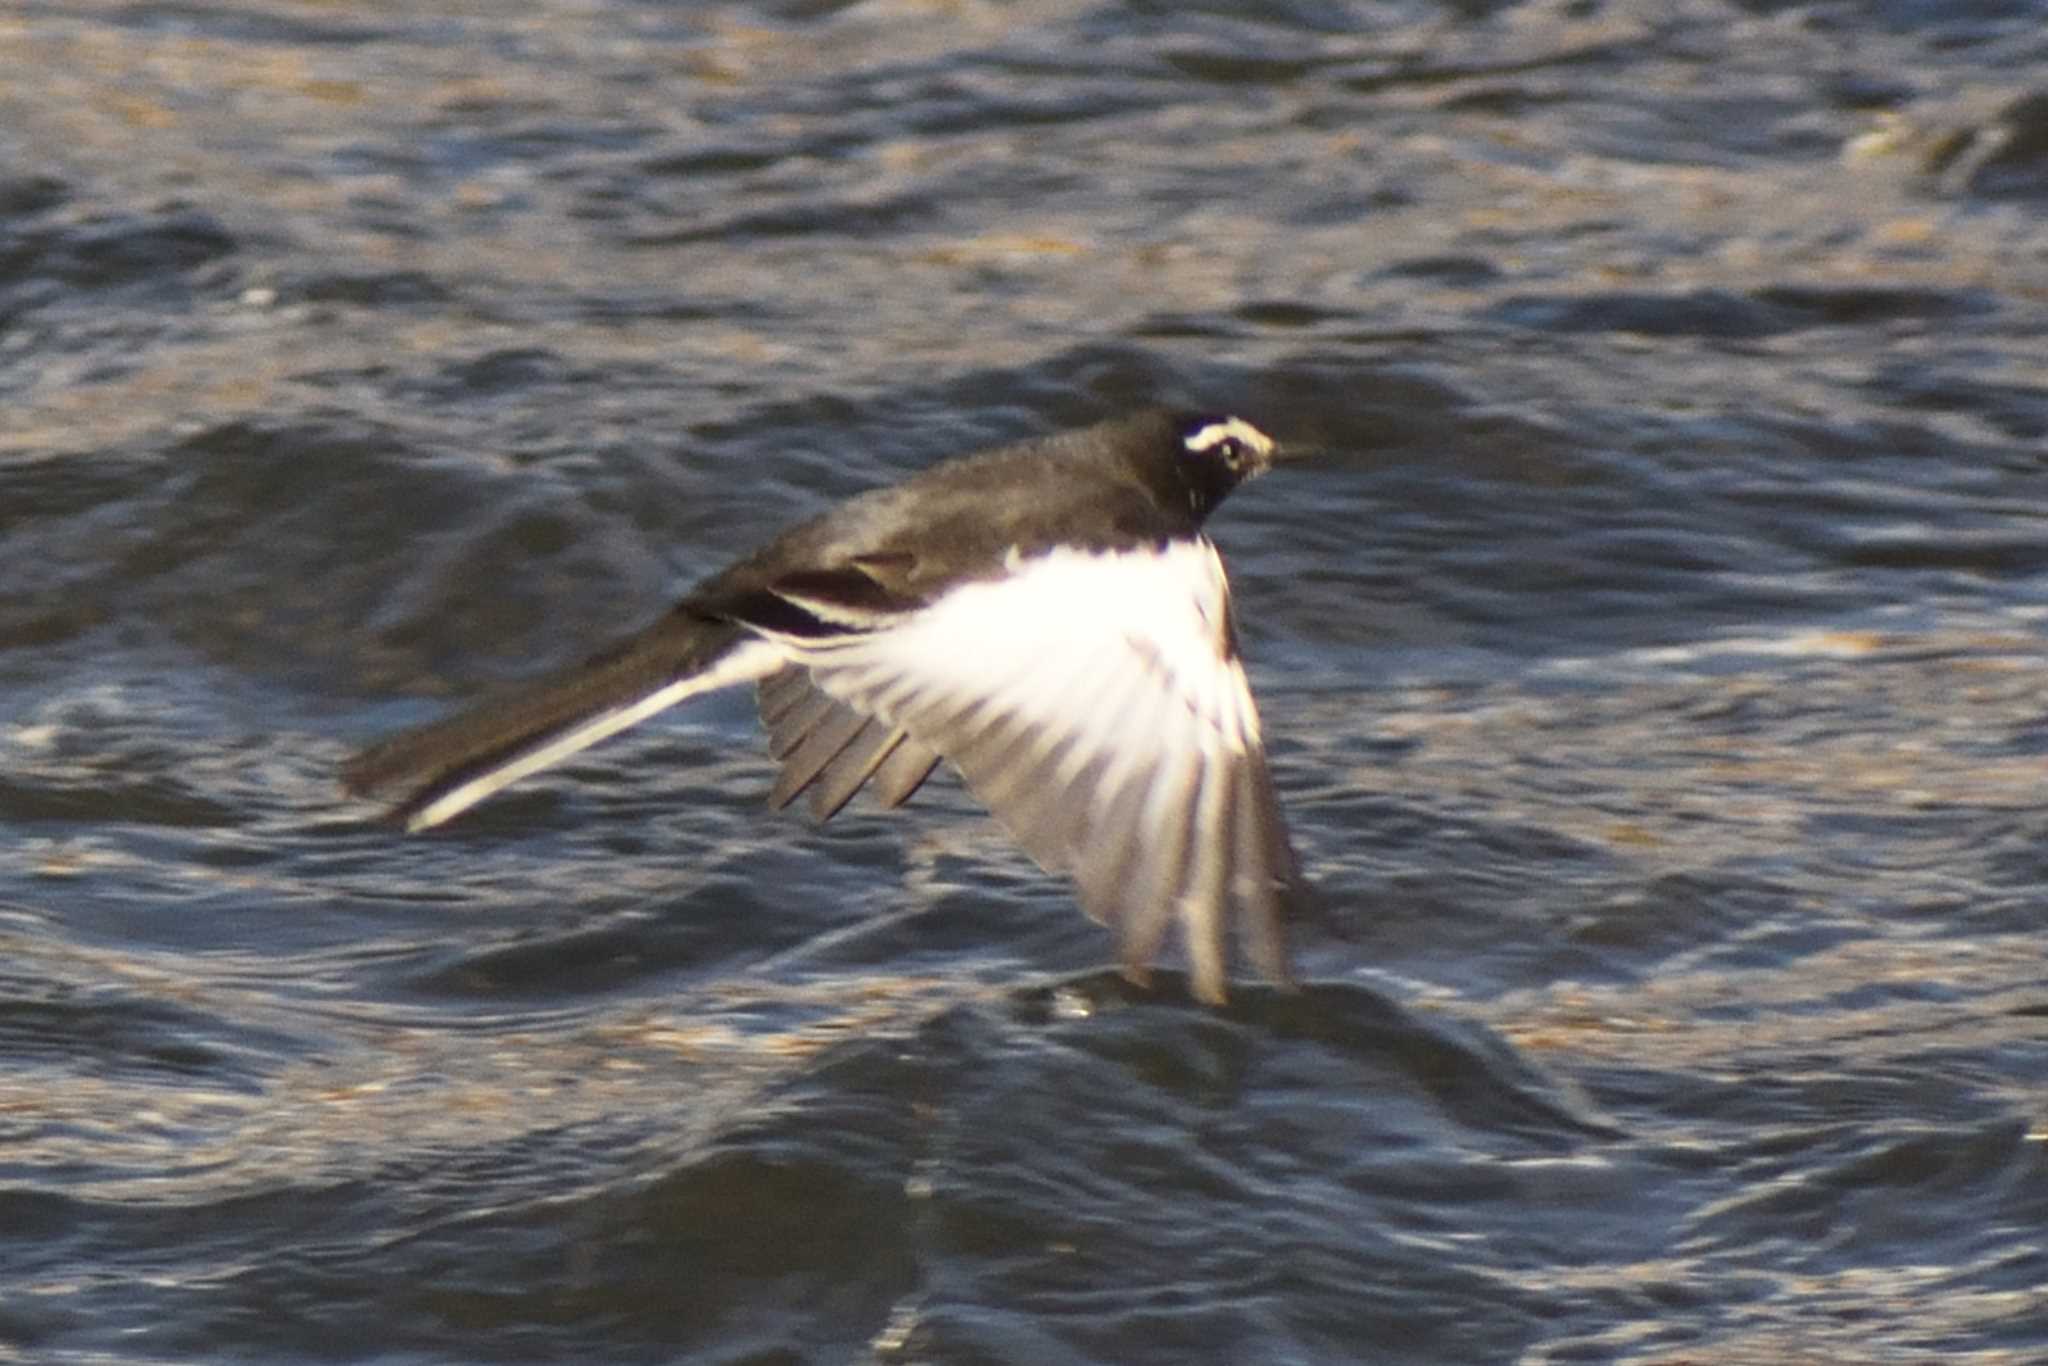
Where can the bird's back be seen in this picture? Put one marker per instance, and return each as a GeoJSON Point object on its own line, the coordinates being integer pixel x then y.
{"type": "Point", "coordinates": [958, 520]}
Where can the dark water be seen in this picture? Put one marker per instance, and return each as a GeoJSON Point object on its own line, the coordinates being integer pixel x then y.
{"type": "Point", "coordinates": [1656, 666]}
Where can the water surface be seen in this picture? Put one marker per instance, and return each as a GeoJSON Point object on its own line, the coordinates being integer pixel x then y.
{"type": "Point", "coordinates": [1654, 664]}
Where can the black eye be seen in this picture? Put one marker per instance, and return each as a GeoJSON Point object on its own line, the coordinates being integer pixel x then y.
{"type": "Point", "coordinates": [1230, 451]}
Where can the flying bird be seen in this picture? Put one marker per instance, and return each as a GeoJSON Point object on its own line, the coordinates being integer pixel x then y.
{"type": "Point", "coordinates": [1048, 617]}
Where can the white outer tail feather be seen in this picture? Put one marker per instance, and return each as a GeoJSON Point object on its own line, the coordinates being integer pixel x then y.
{"type": "Point", "coordinates": [746, 662]}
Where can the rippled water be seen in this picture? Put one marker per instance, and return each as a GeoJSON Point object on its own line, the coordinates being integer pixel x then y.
{"type": "Point", "coordinates": [1654, 660]}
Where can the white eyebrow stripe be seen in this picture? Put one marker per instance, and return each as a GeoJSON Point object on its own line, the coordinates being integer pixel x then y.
{"type": "Point", "coordinates": [1217, 432]}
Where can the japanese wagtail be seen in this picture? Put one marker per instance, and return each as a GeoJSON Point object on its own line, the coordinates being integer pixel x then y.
{"type": "Point", "coordinates": [1047, 617]}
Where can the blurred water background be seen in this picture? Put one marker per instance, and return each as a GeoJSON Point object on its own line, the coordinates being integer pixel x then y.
{"type": "Point", "coordinates": [1655, 665]}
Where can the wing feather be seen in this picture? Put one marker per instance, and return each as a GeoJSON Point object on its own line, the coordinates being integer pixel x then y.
{"type": "Point", "coordinates": [1094, 701]}
{"type": "Point", "coordinates": [1268, 876]}
{"type": "Point", "coordinates": [778, 692]}
{"type": "Point", "coordinates": [793, 714]}
{"type": "Point", "coordinates": [903, 771]}
{"type": "Point", "coordinates": [831, 750]}
{"type": "Point", "coordinates": [1169, 816]}
{"type": "Point", "coordinates": [820, 745]}
{"type": "Point", "coordinates": [847, 771]}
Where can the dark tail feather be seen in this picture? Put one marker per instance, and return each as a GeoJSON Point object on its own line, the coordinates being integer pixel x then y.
{"type": "Point", "coordinates": [444, 767]}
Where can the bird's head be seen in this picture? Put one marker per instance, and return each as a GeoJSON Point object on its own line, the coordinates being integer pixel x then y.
{"type": "Point", "coordinates": [1217, 452]}
{"type": "Point", "coordinates": [1230, 445]}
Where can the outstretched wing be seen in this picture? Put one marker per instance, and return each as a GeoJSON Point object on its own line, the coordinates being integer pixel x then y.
{"type": "Point", "coordinates": [1095, 702]}
{"type": "Point", "coordinates": [832, 751]}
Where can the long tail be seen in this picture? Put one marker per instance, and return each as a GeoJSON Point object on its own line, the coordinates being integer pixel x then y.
{"type": "Point", "coordinates": [445, 767]}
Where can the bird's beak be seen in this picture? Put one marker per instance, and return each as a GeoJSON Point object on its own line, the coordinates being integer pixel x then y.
{"type": "Point", "coordinates": [1295, 452]}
